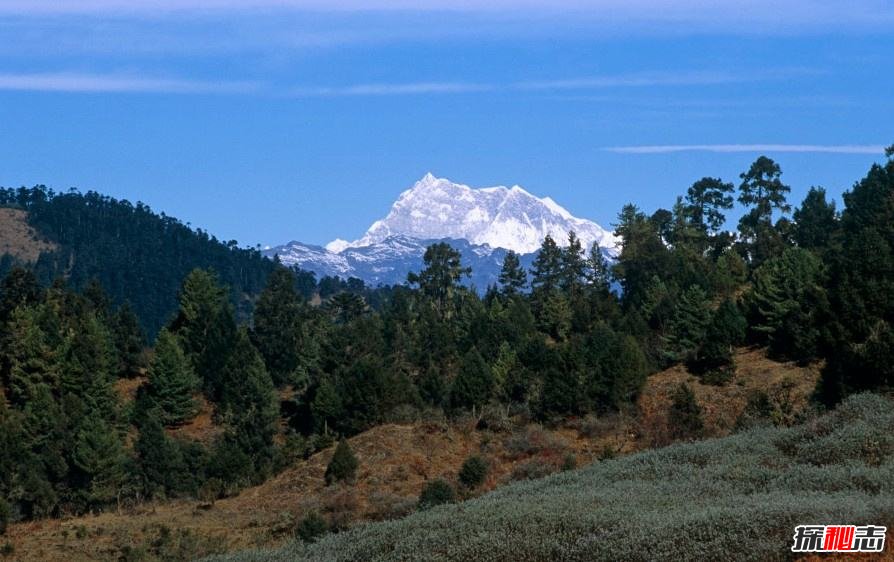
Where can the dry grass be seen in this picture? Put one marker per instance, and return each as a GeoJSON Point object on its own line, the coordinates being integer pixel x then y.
{"type": "Point", "coordinates": [395, 462]}
{"type": "Point", "coordinates": [18, 238]}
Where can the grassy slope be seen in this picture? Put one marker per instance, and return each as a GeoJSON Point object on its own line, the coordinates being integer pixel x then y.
{"type": "Point", "coordinates": [737, 497]}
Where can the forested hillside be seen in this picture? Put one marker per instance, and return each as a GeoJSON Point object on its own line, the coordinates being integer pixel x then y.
{"type": "Point", "coordinates": [548, 345]}
{"type": "Point", "coordinates": [137, 255]}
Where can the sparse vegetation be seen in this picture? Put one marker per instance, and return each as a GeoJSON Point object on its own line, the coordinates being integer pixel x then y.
{"type": "Point", "coordinates": [750, 488]}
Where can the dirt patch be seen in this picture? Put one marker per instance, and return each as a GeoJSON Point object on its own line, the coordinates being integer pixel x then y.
{"type": "Point", "coordinates": [18, 239]}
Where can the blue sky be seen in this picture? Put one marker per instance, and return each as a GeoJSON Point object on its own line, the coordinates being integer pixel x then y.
{"type": "Point", "coordinates": [276, 120]}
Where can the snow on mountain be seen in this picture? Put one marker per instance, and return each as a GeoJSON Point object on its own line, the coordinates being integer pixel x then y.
{"type": "Point", "coordinates": [483, 224]}
{"type": "Point", "coordinates": [500, 217]}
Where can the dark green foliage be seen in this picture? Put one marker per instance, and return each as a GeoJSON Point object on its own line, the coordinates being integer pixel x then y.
{"type": "Point", "coordinates": [276, 331]}
{"type": "Point", "coordinates": [343, 465]}
{"type": "Point", "coordinates": [816, 222]}
{"type": "Point", "coordinates": [474, 382]}
{"type": "Point", "coordinates": [312, 527]}
{"type": "Point", "coordinates": [763, 191]}
{"type": "Point", "coordinates": [714, 358]}
{"type": "Point", "coordinates": [440, 280]}
{"type": "Point", "coordinates": [172, 381]}
{"type": "Point", "coordinates": [547, 268]}
{"type": "Point", "coordinates": [5, 515]}
{"type": "Point", "coordinates": [134, 253]}
{"type": "Point", "coordinates": [248, 403]}
{"type": "Point", "coordinates": [688, 325]}
{"type": "Point", "coordinates": [685, 415]}
{"type": "Point", "coordinates": [129, 341]}
{"type": "Point", "coordinates": [205, 327]}
{"type": "Point", "coordinates": [513, 277]}
{"type": "Point", "coordinates": [706, 200]}
{"type": "Point", "coordinates": [473, 472]}
{"type": "Point", "coordinates": [436, 492]}
{"type": "Point", "coordinates": [788, 304]}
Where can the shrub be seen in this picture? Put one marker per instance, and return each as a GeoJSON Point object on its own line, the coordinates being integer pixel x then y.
{"type": "Point", "coordinates": [569, 462]}
{"type": "Point", "coordinates": [8, 549]}
{"type": "Point", "coordinates": [4, 515]}
{"type": "Point", "coordinates": [343, 465]}
{"type": "Point", "coordinates": [685, 415]}
{"type": "Point", "coordinates": [473, 472]}
{"type": "Point", "coordinates": [531, 470]}
{"type": "Point", "coordinates": [436, 492]}
{"type": "Point", "coordinates": [384, 506]}
{"type": "Point", "coordinates": [311, 527]}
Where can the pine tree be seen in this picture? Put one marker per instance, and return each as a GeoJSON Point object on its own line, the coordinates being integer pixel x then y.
{"type": "Point", "coordinates": [440, 279]}
{"type": "Point", "coordinates": [513, 278]}
{"type": "Point", "coordinates": [345, 306]}
{"type": "Point", "coordinates": [99, 457]}
{"type": "Point", "coordinates": [714, 359]}
{"type": "Point", "coordinates": [473, 384]}
{"type": "Point", "coordinates": [343, 465]}
{"type": "Point", "coordinates": [19, 288]}
{"type": "Point", "coordinates": [326, 406]}
{"type": "Point", "coordinates": [816, 222]}
{"type": "Point", "coordinates": [248, 403]}
{"type": "Point", "coordinates": [598, 271]}
{"type": "Point", "coordinates": [172, 381]}
{"type": "Point", "coordinates": [706, 200]}
{"type": "Point", "coordinates": [129, 340]}
{"type": "Point", "coordinates": [31, 360]}
{"type": "Point", "coordinates": [788, 304]}
{"type": "Point", "coordinates": [547, 268]}
{"type": "Point", "coordinates": [161, 464]}
{"type": "Point", "coordinates": [690, 320]}
{"type": "Point", "coordinates": [277, 326]}
{"type": "Point", "coordinates": [205, 326]}
{"type": "Point", "coordinates": [573, 266]}
{"type": "Point", "coordinates": [763, 191]}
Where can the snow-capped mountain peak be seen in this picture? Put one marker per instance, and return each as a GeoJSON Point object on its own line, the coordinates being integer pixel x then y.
{"type": "Point", "coordinates": [500, 217]}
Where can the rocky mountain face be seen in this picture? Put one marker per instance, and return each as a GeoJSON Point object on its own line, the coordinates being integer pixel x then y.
{"type": "Point", "coordinates": [483, 224]}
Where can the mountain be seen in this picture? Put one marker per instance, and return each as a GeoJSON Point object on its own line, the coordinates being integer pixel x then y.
{"type": "Point", "coordinates": [481, 223]}
{"type": "Point", "coordinates": [138, 255]}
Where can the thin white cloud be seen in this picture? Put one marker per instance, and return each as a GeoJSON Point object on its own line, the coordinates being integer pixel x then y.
{"type": "Point", "coordinates": [94, 83]}
{"type": "Point", "coordinates": [814, 148]}
{"type": "Point", "coordinates": [410, 88]}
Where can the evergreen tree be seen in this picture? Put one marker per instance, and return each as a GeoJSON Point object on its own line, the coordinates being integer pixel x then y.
{"type": "Point", "coordinates": [277, 326]}
{"type": "Point", "coordinates": [326, 405]}
{"type": "Point", "coordinates": [248, 403]}
{"type": "Point", "coordinates": [172, 381]}
{"type": "Point", "coordinates": [99, 458]}
{"type": "Point", "coordinates": [547, 268]}
{"type": "Point", "coordinates": [706, 200]}
{"type": "Point", "coordinates": [788, 304]}
{"type": "Point", "coordinates": [763, 191]}
{"type": "Point", "coordinates": [19, 288]}
{"type": "Point", "coordinates": [598, 270]}
{"type": "Point", "coordinates": [129, 340]}
{"type": "Point", "coordinates": [474, 382]}
{"type": "Point", "coordinates": [440, 279]}
{"type": "Point", "coordinates": [343, 465]}
{"type": "Point", "coordinates": [31, 360]}
{"type": "Point", "coordinates": [714, 359]}
{"type": "Point", "coordinates": [345, 306]}
{"type": "Point", "coordinates": [161, 465]}
{"type": "Point", "coordinates": [513, 278]}
{"type": "Point", "coordinates": [205, 327]}
{"type": "Point", "coordinates": [687, 328]}
{"type": "Point", "coordinates": [573, 266]}
{"type": "Point", "coordinates": [816, 222]}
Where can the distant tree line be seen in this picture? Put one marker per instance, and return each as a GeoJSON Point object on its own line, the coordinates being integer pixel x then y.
{"type": "Point", "coordinates": [321, 360]}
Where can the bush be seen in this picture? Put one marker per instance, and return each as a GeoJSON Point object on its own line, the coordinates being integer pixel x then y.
{"type": "Point", "coordinates": [311, 527]}
{"type": "Point", "coordinates": [436, 492]}
{"type": "Point", "coordinates": [8, 549]}
{"type": "Point", "coordinates": [531, 470]}
{"type": "Point", "coordinates": [473, 472]}
{"type": "Point", "coordinates": [569, 462]}
{"type": "Point", "coordinates": [5, 514]}
{"type": "Point", "coordinates": [685, 415]}
{"type": "Point", "coordinates": [343, 465]}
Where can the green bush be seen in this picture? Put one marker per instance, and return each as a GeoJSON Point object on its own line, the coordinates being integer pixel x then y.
{"type": "Point", "coordinates": [312, 527]}
{"type": "Point", "coordinates": [436, 492]}
{"type": "Point", "coordinates": [473, 472]}
{"type": "Point", "coordinates": [343, 465]}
